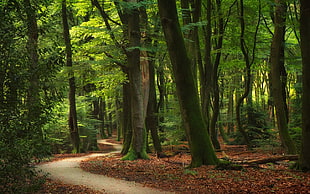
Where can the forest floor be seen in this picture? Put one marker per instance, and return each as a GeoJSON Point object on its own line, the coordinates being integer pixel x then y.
{"type": "Point", "coordinates": [170, 173]}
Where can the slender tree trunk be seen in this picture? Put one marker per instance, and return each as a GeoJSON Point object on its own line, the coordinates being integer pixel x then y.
{"type": "Point", "coordinates": [148, 57]}
{"type": "Point", "coordinates": [215, 84]}
{"type": "Point", "coordinates": [304, 161]}
{"type": "Point", "coordinates": [127, 126]}
{"type": "Point", "coordinates": [33, 96]}
{"type": "Point", "coordinates": [152, 118]}
{"type": "Point", "coordinates": [101, 114]}
{"type": "Point", "coordinates": [247, 77]}
{"type": "Point", "coordinates": [73, 127]}
{"type": "Point", "coordinates": [278, 76]}
{"type": "Point", "coordinates": [202, 151]}
{"type": "Point", "coordinates": [161, 84]}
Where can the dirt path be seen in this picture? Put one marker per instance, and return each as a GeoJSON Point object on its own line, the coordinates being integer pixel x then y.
{"type": "Point", "coordinates": [69, 172]}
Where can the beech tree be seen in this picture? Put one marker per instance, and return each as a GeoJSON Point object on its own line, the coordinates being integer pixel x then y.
{"type": "Point", "coordinates": [279, 75]}
{"type": "Point", "coordinates": [138, 107]}
{"type": "Point", "coordinates": [73, 127]}
{"type": "Point", "coordinates": [304, 161]}
{"type": "Point", "coordinates": [201, 148]}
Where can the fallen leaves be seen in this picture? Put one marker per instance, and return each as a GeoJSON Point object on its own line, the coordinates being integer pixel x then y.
{"type": "Point", "coordinates": [56, 187]}
{"type": "Point", "coordinates": [170, 174]}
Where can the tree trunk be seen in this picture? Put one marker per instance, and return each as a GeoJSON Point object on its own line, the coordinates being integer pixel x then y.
{"type": "Point", "coordinates": [148, 57]}
{"type": "Point", "coordinates": [215, 85]}
{"type": "Point", "coordinates": [73, 127]}
{"type": "Point", "coordinates": [206, 70]}
{"type": "Point", "coordinates": [278, 78]}
{"type": "Point", "coordinates": [304, 161]}
{"type": "Point", "coordinates": [247, 77]}
{"type": "Point", "coordinates": [151, 117]}
{"type": "Point", "coordinates": [33, 96]}
{"type": "Point", "coordinates": [202, 151]}
{"type": "Point", "coordinates": [127, 129]}
{"type": "Point", "coordinates": [138, 143]}
{"type": "Point", "coordinates": [101, 114]}
{"type": "Point", "coordinates": [161, 85]}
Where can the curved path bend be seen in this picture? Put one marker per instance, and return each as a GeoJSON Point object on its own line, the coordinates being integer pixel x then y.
{"type": "Point", "coordinates": [68, 171]}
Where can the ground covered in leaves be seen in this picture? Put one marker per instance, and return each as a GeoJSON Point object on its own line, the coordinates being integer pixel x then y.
{"type": "Point", "coordinates": [56, 187]}
{"type": "Point", "coordinates": [171, 174]}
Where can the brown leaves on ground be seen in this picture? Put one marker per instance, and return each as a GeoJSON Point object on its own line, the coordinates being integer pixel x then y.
{"type": "Point", "coordinates": [56, 187]}
{"type": "Point", "coordinates": [170, 174]}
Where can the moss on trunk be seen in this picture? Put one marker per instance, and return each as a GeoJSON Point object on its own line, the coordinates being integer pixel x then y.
{"type": "Point", "coordinates": [201, 148]}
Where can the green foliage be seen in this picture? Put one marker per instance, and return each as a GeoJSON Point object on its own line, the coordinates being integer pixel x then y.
{"type": "Point", "coordinates": [190, 172]}
{"type": "Point", "coordinates": [17, 175]}
{"type": "Point", "coordinates": [257, 128]}
{"type": "Point", "coordinates": [296, 135]}
{"type": "Point", "coordinates": [172, 127]}
{"type": "Point", "coordinates": [57, 131]}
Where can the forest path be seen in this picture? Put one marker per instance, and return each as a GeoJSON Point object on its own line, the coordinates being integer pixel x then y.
{"type": "Point", "coordinates": [68, 171]}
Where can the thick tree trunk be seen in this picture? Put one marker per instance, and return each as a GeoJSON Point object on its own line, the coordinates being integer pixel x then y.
{"type": "Point", "coordinates": [138, 143]}
{"type": "Point", "coordinates": [206, 71]}
{"type": "Point", "coordinates": [200, 144]}
{"type": "Point", "coordinates": [73, 127]}
{"type": "Point", "coordinates": [304, 161]}
{"type": "Point", "coordinates": [277, 66]}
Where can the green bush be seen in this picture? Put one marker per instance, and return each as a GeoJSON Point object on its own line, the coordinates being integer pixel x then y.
{"type": "Point", "coordinates": [20, 144]}
{"type": "Point", "coordinates": [296, 135]}
{"type": "Point", "coordinates": [254, 121]}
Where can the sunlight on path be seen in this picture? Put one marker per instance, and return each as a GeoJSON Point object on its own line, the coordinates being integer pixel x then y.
{"type": "Point", "coordinates": [68, 171]}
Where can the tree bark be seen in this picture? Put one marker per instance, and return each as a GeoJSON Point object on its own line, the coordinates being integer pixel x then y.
{"type": "Point", "coordinates": [138, 143]}
{"type": "Point", "coordinates": [304, 161]}
{"type": "Point", "coordinates": [33, 96]}
{"type": "Point", "coordinates": [73, 127]}
{"type": "Point", "coordinates": [201, 148]}
{"type": "Point", "coordinates": [247, 77]}
{"type": "Point", "coordinates": [152, 118]}
{"type": "Point", "coordinates": [278, 76]}
{"type": "Point", "coordinates": [127, 126]}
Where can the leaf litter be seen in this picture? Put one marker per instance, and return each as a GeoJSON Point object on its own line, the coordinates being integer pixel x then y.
{"type": "Point", "coordinates": [171, 174]}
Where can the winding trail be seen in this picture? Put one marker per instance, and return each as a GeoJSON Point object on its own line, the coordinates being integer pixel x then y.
{"type": "Point", "coordinates": [69, 171]}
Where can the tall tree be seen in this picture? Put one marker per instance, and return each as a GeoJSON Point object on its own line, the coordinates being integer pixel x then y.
{"type": "Point", "coordinates": [304, 160]}
{"type": "Point", "coordinates": [148, 61]}
{"type": "Point", "coordinates": [138, 107]}
{"type": "Point", "coordinates": [278, 74]}
{"type": "Point", "coordinates": [33, 97]}
{"type": "Point", "coordinates": [201, 148]}
{"type": "Point", "coordinates": [73, 127]}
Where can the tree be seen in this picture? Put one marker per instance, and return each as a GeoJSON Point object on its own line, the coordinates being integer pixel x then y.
{"type": "Point", "coordinates": [138, 107]}
{"type": "Point", "coordinates": [278, 74]}
{"type": "Point", "coordinates": [33, 99]}
{"type": "Point", "coordinates": [304, 161]}
{"type": "Point", "coordinates": [73, 127]}
{"type": "Point", "coordinates": [148, 61]}
{"type": "Point", "coordinates": [200, 144]}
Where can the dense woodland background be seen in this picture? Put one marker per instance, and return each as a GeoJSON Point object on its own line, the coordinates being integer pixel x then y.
{"type": "Point", "coordinates": [151, 73]}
